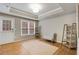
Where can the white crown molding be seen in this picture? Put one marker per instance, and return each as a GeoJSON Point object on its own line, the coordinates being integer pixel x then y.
{"type": "Point", "coordinates": [17, 15]}
{"type": "Point", "coordinates": [21, 12]}
{"type": "Point", "coordinates": [52, 12]}
{"type": "Point", "coordinates": [6, 9]}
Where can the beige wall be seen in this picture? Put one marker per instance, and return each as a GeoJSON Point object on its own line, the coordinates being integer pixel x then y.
{"type": "Point", "coordinates": [18, 29]}
{"type": "Point", "coordinates": [77, 20]}
{"type": "Point", "coordinates": [16, 32]}
{"type": "Point", "coordinates": [49, 26]}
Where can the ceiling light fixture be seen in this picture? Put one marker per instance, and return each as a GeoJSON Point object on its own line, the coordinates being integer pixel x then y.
{"type": "Point", "coordinates": [35, 7]}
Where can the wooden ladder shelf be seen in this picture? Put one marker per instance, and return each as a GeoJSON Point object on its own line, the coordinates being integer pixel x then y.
{"type": "Point", "coordinates": [69, 38]}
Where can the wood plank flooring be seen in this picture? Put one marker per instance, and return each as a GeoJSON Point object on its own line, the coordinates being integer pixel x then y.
{"type": "Point", "coordinates": [63, 50]}
{"type": "Point", "coordinates": [17, 49]}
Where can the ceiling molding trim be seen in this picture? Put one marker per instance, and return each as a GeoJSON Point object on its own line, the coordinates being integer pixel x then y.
{"type": "Point", "coordinates": [52, 12]}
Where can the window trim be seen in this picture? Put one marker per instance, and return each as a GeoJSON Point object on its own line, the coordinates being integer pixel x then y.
{"type": "Point", "coordinates": [22, 27]}
{"type": "Point", "coordinates": [6, 27]}
{"type": "Point", "coordinates": [33, 28]}
{"type": "Point", "coordinates": [28, 28]}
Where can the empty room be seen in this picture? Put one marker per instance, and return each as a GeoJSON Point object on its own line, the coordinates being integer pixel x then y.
{"type": "Point", "coordinates": [38, 29]}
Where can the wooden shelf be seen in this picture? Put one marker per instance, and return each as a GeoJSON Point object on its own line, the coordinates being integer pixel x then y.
{"type": "Point", "coordinates": [70, 36]}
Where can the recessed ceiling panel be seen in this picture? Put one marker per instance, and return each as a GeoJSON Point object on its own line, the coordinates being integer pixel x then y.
{"type": "Point", "coordinates": [45, 7]}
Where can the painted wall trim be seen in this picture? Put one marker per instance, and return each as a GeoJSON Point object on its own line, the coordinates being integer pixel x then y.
{"type": "Point", "coordinates": [15, 15]}
{"type": "Point", "coordinates": [52, 12]}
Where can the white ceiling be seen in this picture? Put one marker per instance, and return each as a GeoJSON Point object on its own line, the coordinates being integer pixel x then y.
{"type": "Point", "coordinates": [47, 8]}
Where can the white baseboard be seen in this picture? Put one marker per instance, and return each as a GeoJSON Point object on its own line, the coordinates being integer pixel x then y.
{"type": "Point", "coordinates": [50, 40]}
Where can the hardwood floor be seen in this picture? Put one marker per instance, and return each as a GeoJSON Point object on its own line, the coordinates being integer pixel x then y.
{"type": "Point", "coordinates": [63, 50]}
{"type": "Point", "coordinates": [17, 49]}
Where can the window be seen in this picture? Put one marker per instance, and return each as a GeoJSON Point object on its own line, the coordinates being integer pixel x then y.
{"type": "Point", "coordinates": [31, 27]}
{"type": "Point", "coordinates": [6, 25]}
{"type": "Point", "coordinates": [28, 28]}
{"type": "Point", "coordinates": [24, 27]}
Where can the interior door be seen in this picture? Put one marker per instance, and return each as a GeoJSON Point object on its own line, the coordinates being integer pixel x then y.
{"type": "Point", "coordinates": [7, 30]}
